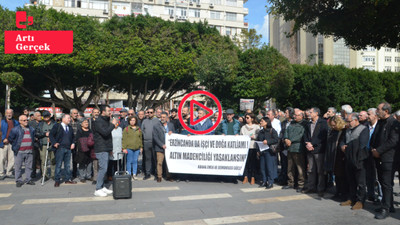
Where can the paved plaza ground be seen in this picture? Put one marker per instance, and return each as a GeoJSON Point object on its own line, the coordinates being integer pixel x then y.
{"type": "Point", "coordinates": [204, 201]}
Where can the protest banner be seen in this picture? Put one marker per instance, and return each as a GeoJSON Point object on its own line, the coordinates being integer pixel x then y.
{"type": "Point", "coordinates": [207, 154]}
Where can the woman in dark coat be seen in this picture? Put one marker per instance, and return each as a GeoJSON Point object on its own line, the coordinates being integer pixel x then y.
{"type": "Point", "coordinates": [335, 158]}
{"type": "Point", "coordinates": [85, 143]}
{"type": "Point", "coordinates": [268, 165]}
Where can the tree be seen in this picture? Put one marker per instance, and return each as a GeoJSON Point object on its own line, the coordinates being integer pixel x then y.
{"type": "Point", "coordinates": [264, 73]}
{"type": "Point", "coordinates": [157, 58]}
{"type": "Point", "coordinates": [332, 86]}
{"type": "Point", "coordinates": [11, 80]}
{"type": "Point", "coordinates": [217, 68]}
{"type": "Point", "coordinates": [248, 39]}
{"type": "Point", "coordinates": [83, 69]}
{"type": "Point", "coordinates": [360, 23]}
{"type": "Point", "coordinates": [391, 82]}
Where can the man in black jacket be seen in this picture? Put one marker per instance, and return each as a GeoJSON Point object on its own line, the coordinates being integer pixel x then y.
{"type": "Point", "coordinates": [354, 147]}
{"type": "Point", "coordinates": [62, 140]}
{"type": "Point", "coordinates": [315, 138]}
{"type": "Point", "coordinates": [103, 146]}
{"type": "Point", "coordinates": [384, 146]}
{"type": "Point", "coordinates": [159, 146]}
{"type": "Point", "coordinates": [283, 176]}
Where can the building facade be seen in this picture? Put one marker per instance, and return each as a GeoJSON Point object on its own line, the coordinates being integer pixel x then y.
{"type": "Point", "coordinates": [227, 16]}
{"type": "Point", "coordinates": [304, 48]}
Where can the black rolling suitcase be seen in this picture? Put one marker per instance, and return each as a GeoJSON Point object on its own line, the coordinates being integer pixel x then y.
{"type": "Point", "coordinates": [122, 182]}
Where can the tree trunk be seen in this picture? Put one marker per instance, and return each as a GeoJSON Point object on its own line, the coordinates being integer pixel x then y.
{"type": "Point", "coordinates": [130, 103]}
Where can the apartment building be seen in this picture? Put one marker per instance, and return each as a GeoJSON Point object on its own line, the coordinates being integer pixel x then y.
{"type": "Point", "coordinates": [304, 48]}
{"type": "Point", "coordinates": [227, 16]}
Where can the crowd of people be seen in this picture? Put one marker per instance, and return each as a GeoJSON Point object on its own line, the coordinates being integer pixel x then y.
{"type": "Point", "coordinates": [350, 151]}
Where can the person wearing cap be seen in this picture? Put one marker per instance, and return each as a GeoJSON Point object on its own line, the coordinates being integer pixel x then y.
{"type": "Point", "coordinates": [123, 122]}
{"type": "Point", "coordinates": [230, 126]}
{"type": "Point", "coordinates": [42, 133]}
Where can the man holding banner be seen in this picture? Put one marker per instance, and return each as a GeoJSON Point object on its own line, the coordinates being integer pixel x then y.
{"type": "Point", "coordinates": [159, 131]}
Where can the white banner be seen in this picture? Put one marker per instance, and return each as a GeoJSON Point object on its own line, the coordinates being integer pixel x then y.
{"type": "Point", "coordinates": [207, 154]}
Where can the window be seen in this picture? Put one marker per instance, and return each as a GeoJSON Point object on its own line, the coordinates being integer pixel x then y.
{"type": "Point", "coordinates": [388, 58]}
{"type": "Point", "coordinates": [169, 11]}
{"type": "Point", "coordinates": [397, 69]}
{"type": "Point", "coordinates": [388, 68]}
{"type": "Point", "coordinates": [388, 49]}
{"type": "Point", "coordinates": [215, 15]}
{"type": "Point", "coordinates": [69, 3]}
{"type": "Point", "coordinates": [397, 59]}
{"type": "Point", "coordinates": [231, 2]}
{"type": "Point", "coordinates": [194, 13]}
{"type": "Point", "coordinates": [136, 7]}
{"type": "Point", "coordinates": [181, 11]}
{"type": "Point", "coordinates": [369, 49]}
{"type": "Point", "coordinates": [231, 16]}
{"type": "Point", "coordinates": [215, 2]}
{"type": "Point", "coordinates": [45, 2]}
{"type": "Point", "coordinates": [369, 67]}
{"type": "Point", "coordinates": [230, 31]}
{"type": "Point", "coordinates": [368, 59]}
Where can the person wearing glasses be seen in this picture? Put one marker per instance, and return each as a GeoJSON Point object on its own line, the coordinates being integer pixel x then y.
{"type": "Point", "coordinates": [251, 129]}
{"type": "Point", "coordinates": [22, 138]}
{"type": "Point", "coordinates": [148, 152]}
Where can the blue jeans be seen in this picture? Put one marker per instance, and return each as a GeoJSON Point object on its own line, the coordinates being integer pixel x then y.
{"type": "Point", "coordinates": [268, 166]}
{"type": "Point", "coordinates": [103, 164]}
{"type": "Point", "coordinates": [132, 161]}
{"type": "Point", "coordinates": [63, 155]}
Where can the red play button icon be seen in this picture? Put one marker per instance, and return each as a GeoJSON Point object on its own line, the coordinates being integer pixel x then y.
{"type": "Point", "coordinates": [207, 115]}
{"type": "Point", "coordinates": [208, 110]}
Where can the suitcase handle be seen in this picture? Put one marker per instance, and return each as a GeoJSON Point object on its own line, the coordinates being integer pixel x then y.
{"type": "Point", "coordinates": [124, 161]}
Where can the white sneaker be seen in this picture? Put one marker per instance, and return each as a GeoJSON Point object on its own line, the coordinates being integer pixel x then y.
{"type": "Point", "coordinates": [105, 190]}
{"type": "Point", "coordinates": [134, 177]}
{"type": "Point", "coordinates": [100, 193]}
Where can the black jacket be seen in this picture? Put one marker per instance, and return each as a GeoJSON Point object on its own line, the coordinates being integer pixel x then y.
{"type": "Point", "coordinates": [159, 135]}
{"type": "Point", "coordinates": [332, 147]}
{"type": "Point", "coordinates": [282, 145]}
{"type": "Point", "coordinates": [356, 140]}
{"type": "Point", "coordinates": [57, 134]}
{"type": "Point", "coordinates": [385, 138]}
{"type": "Point", "coordinates": [102, 134]}
{"type": "Point", "coordinates": [319, 137]}
{"type": "Point", "coordinates": [269, 134]}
